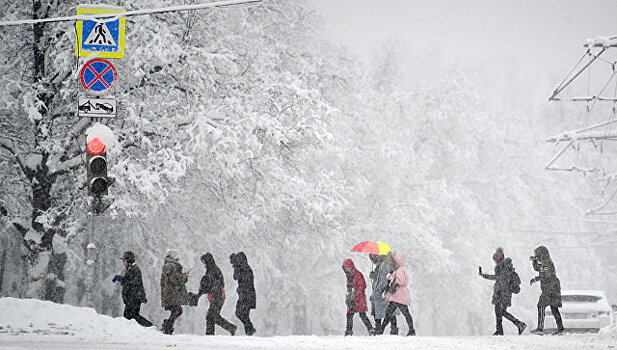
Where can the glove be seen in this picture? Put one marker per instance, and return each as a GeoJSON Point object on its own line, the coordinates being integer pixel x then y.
{"type": "Point", "coordinates": [145, 301]}
{"type": "Point", "coordinates": [117, 278]}
{"type": "Point", "coordinates": [532, 281]}
{"type": "Point", "coordinates": [193, 299]}
{"type": "Point", "coordinates": [480, 270]}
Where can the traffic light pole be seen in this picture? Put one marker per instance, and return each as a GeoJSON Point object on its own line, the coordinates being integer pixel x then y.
{"type": "Point", "coordinates": [90, 256]}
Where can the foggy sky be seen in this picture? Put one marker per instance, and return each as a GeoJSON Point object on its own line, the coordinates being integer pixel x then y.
{"type": "Point", "coordinates": [513, 45]}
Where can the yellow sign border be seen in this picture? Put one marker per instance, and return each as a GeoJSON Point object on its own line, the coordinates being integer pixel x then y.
{"type": "Point", "coordinates": [79, 27]}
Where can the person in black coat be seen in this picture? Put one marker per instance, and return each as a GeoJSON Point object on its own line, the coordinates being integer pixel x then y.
{"type": "Point", "coordinates": [502, 295]}
{"type": "Point", "coordinates": [550, 286]}
{"type": "Point", "coordinates": [133, 292]}
{"type": "Point", "coordinates": [247, 298]}
{"type": "Point", "coordinates": [213, 284]}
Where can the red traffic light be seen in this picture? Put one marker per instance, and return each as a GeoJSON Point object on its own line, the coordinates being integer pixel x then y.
{"type": "Point", "coordinates": [95, 146]}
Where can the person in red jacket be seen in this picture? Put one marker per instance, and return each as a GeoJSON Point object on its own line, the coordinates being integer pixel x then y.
{"type": "Point", "coordinates": [356, 297]}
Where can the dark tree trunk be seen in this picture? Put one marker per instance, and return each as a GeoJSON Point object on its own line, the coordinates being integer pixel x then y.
{"type": "Point", "coordinates": [41, 202]}
{"type": "Point", "coordinates": [2, 269]}
{"type": "Point", "coordinates": [41, 199]}
{"type": "Point", "coordinates": [53, 291]}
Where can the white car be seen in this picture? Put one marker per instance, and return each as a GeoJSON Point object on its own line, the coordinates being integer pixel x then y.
{"type": "Point", "coordinates": [583, 310]}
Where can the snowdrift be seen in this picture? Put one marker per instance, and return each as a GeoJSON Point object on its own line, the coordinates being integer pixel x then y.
{"type": "Point", "coordinates": [35, 324]}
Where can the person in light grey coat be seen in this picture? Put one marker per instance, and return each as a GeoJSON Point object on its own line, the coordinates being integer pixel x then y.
{"type": "Point", "coordinates": [379, 279]}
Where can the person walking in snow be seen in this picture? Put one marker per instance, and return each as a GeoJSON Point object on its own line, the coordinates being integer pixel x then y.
{"type": "Point", "coordinates": [247, 298]}
{"type": "Point", "coordinates": [213, 284]}
{"type": "Point", "coordinates": [379, 282]}
{"type": "Point", "coordinates": [173, 289]}
{"type": "Point", "coordinates": [133, 292]}
{"type": "Point", "coordinates": [356, 297]}
{"type": "Point", "coordinates": [550, 286]}
{"type": "Point", "coordinates": [397, 293]}
{"type": "Point", "coordinates": [502, 291]}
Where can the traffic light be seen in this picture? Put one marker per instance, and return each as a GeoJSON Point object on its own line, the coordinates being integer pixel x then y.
{"type": "Point", "coordinates": [96, 161]}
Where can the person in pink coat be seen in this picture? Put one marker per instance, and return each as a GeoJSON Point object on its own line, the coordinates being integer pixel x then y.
{"type": "Point", "coordinates": [356, 297]}
{"type": "Point", "coordinates": [397, 294]}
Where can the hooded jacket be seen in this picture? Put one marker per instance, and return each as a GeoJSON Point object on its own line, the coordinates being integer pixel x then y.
{"type": "Point", "coordinates": [173, 283]}
{"type": "Point", "coordinates": [355, 285]}
{"type": "Point", "coordinates": [400, 279]}
{"type": "Point", "coordinates": [501, 290]}
{"type": "Point", "coordinates": [133, 292]}
{"type": "Point", "coordinates": [549, 283]}
{"type": "Point", "coordinates": [246, 286]}
{"type": "Point", "coordinates": [212, 283]}
{"type": "Point", "coordinates": [380, 283]}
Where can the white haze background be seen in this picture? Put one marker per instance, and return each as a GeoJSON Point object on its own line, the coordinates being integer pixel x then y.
{"type": "Point", "coordinates": [293, 151]}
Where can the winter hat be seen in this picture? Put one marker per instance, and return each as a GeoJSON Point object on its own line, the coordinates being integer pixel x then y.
{"type": "Point", "coordinates": [241, 259]}
{"type": "Point", "coordinates": [129, 256]}
{"type": "Point", "coordinates": [173, 254]}
{"type": "Point", "coordinates": [207, 259]}
{"type": "Point", "coordinates": [498, 256]}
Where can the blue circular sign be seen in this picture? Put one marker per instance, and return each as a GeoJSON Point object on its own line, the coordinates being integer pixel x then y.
{"type": "Point", "coordinates": [98, 76]}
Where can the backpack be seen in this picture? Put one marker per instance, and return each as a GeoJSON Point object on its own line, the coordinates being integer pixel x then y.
{"type": "Point", "coordinates": [514, 284]}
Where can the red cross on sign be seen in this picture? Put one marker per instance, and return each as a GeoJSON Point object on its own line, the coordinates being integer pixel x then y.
{"type": "Point", "coordinates": [98, 76]}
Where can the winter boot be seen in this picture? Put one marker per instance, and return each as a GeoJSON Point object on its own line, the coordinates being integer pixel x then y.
{"type": "Point", "coordinates": [167, 327]}
{"type": "Point", "coordinates": [348, 333]}
{"type": "Point", "coordinates": [559, 331]}
{"type": "Point", "coordinates": [498, 330]}
{"type": "Point", "coordinates": [538, 331]}
{"type": "Point", "coordinates": [411, 333]}
{"type": "Point", "coordinates": [521, 327]}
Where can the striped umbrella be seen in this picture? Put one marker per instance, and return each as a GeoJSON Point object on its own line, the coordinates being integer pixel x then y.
{"type": "Point", "coordinates": [370, 247]}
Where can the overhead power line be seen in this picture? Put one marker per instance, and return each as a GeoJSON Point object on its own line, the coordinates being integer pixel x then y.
{"type": "Point", "coordinates": [115, 16]}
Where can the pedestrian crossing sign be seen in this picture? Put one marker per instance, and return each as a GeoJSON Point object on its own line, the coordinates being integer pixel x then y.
{"type": "Point", "coordinates": [104, 35]}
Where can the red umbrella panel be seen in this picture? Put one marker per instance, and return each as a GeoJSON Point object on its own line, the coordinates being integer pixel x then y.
{"type": "Point", "coordinates": [371, 247]}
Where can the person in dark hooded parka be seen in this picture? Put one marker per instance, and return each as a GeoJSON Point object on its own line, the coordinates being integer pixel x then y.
{"type": "Point", "coordinates": [550, 286]}
{"type": "Point", "coordinates": [247, 298]}
{"type": "Point", "coordinates": [133, 292]}
{"type": "Point", "coordinates": [213, 284]}
{"type": "Point", "coordinates": [502, 295]}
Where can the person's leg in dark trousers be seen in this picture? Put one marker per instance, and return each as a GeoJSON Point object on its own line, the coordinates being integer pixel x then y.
{"type": "Point", "coordinates": [367, 323]}
{"type": "Point", "coordinates": [389, 314]}
{"type": "Point", "coordinates": [168, 324]}
{"type": "Point", "coordinates": [213, 317]}
{"type": "Point", "coordinates": [405, 311]}
{"type": "Point", "coordinates": [132, 312]}
{"type": "Point", "coordinates": [377, 324]}
{"type": "Point", "coordinates": [393, 326]}
{"type": "Point", "coordinates": [243, 314]}
{"type": "Point", "coordinates": [557, 315]}
{"type": "Point", "coordinates": [541, 312]}
{"type": "Point", "coordinates": [349, 328]}
{"type": "Point", "coordinates": [518, 323]}
{"type": "Point", "coordinates": [498, 319]}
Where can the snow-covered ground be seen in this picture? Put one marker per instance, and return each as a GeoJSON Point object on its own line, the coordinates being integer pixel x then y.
{"type": "Point", "coordinates": [35, 324]}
